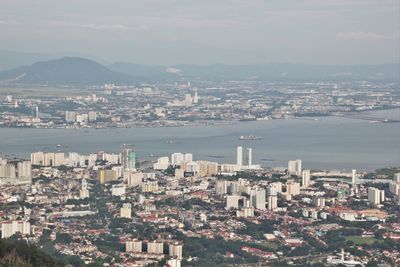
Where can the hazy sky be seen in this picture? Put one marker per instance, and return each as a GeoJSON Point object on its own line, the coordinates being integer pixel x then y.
{"type": "Point", "coordinates": [206, 31]}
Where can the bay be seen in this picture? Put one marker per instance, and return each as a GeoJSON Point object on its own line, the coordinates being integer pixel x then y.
{"type": "Point", "coordinates": [322, 143]}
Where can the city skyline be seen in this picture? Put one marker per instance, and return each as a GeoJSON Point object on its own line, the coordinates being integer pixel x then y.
{"type": "Point", "coordinates": [180, 133]}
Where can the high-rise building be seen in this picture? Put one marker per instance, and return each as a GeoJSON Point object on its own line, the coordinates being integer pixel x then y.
{"type": "Point", "coordinates": [7, 170]}
{"type": "Point", "coordinates": [106, 175]}
{"type": "Point", "coordinates": [82, 119]}
{"type": "Point", "coordinates": [353, 177]}
{"type": "Point", "coordinates": [161, 164]}
{"type": "Point", "coordinates": [84, 192]}
{"type": "Point", "coordinates": [192, 167]}
{"type": "Point", "coordinates": [10, 228]}
{"type": "Point", "coordinates": [175, 250]}
{"type": "Point", "coordinates": [375, 196]}
{"type": "Point", "coordinates": [59, 159]}
{"type": "Point", "coordinates": [305, 178]}
{"type": "Point", "coordinates": [48, 159]}
{"type": "Point", "coordinates": [92, 116]}
{"type": "Point", "coordinates": [176, 159]}
{"type": "Point", "coordinates": [35, 112]}
{"type": "Point", "coordinates": [239, 156]}
{"type": "Point", "coordinates": [257, 198]}
{"type": "Point", "coordinates": [233, 201]}
{"type": "Point", "coordinates": [70, 116]}
{"type": "Point", "coordinates": [319, 201]}
{"type": "Point", "coordinates": [272, 202]}
{"type": "Point", "coordinates": [277, 186]}
{"type": "Point", "coordinates": [396, 178]}
{"type": "Point", "coordinates": [16, 172]}
{"type": "Point", "coordinates": [126, 211]}
{"type": "Point", "coordinates": [128, 159]}
{"type": "Point", "coordinates": [294, 167]}
{"type": "Point", "coordinates": [230, 168]}
{"type": "Point", "coordinates": [212, 168]}
{"type": "Point", "coordinates": [249, 157]}
{"type": "Point", "coordinates": [195, 97]}
{"type": "Point", "coordinates": [272, 191]}
{"type": "Point", "coordinates": [188, 100]}
{"type": "Point", "coordinates": [37, 158]}
{"type": "Point", "coordinates": [24, 170]}
{"type": "Point", "coordinates": [245, 212]}
{"type": "Point", "coordinates": [118, 190]}
{"type": "Point", "coordinates": [394, 186]}
{"type": "Point", "coordinates": [292, 188]}
{"type": "Point", "coordinates": [202, 168]}
{"type": "Point", "coordinates": [221, 187]}
{"type": "Point", "coordinates": [133, 246]}
{"type": "Point", "coordinates": [133, 178]}
{"type": "Point", "coordinates": [155, 247]}
{"type": "Point", "coordinates": [149, 187]}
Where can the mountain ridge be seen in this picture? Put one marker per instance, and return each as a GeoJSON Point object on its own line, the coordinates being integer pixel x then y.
{"type": "Point", "coordinates": [85, 72]}
{"type": "Point", "coordinates": [64, 71]}
{"type": "Point", "coordinates": [271, 71]}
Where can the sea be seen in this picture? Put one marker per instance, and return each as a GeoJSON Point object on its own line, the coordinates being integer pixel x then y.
{"type": "Point", "coordinates": [322, 143]}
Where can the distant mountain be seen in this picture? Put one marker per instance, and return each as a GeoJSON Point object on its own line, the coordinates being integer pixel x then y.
{"type": "Point", "coordinates": [81, 71]}
{"type": "Point", "coordinates": [13, 59]}
{"type": "Point", "coordinates": [64, 71]}
{"type": "Point", "coordinates": [145, 72]}
{"type": "Point", "coordinates": [267, 72]}
{"type": "Point", "coordinates": [293, 72]}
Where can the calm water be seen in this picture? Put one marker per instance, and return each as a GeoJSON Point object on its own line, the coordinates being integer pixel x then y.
{"type": "Point", "coordinates": [329, 142]}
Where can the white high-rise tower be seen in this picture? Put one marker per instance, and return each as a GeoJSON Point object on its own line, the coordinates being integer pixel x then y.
{"type": "Point", "coordinates": [294, 167]}
{"type": "Point", "coordinates": [84, 192]}
{"type": "Point", "coordinates": [353, 177]}
{"type": "Point", "coordinates": [305, 181]}
{"type": "Point", "coordinates": [195, 98]}
{"type": "Point", "coordinates": [239, 156]}
{"type": "Point", "coordinates": [249, 157]}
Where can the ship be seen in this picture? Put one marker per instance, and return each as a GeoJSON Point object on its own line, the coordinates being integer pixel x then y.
{"type": "Point", "coordinates": [249, 137]}
{"type": "Point", "coordinates": [61, 145]}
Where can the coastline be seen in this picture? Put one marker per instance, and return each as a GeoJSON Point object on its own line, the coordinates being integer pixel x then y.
{"type": "Point", "coordinates": [205, 123]}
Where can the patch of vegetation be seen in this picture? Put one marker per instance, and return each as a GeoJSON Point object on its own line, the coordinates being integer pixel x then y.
{"type": "Point", "coordinates": [211, 252]}
{"type": "Point", "coordinates": [20, 254]}
{"type": "Point", "coordinates": [257, 231]}
{"type": "Point", "coordinates": [360, 240]}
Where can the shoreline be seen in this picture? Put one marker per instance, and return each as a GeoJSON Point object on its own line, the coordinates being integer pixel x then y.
{"type": "Point", "coordinates": [346, 115]}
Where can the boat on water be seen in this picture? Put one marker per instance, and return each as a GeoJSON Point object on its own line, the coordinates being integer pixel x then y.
{"type": "Point", "coordinates": [249, 137]}
{"type": "Point", "coordinates": [61, 145]}
{"type": "Point", "coordinates": [266, 159]}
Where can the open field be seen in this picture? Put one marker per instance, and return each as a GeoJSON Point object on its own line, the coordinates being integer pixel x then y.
{"type": "Point", "coordinates": [44, 91]}
{"type": "Point", "coordinates": [359, 240]}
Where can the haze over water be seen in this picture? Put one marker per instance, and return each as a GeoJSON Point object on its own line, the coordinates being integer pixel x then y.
{"type": "Point", "coordinates": [326, 143]}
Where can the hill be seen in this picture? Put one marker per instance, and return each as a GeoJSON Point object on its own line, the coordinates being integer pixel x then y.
{"type": "Point", "coordinates": [146, 72]}
{"type": "Point", "coordinates": [77, 71]}
{"type": "Point", "coordinates": [64, 71]}
{"type": "Point", "coordinates": [20, 254]}
{"type": "Point", "coordinates": [267, 72]}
